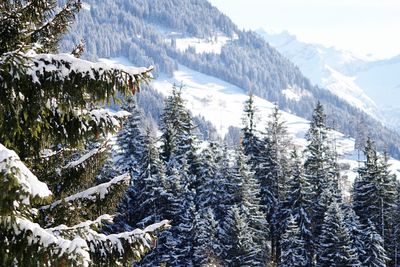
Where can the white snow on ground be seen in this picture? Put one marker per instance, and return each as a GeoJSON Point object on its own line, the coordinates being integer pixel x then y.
{"type": "Point", "coordinates": [86, 6]}
{"type": "Point", "coordinates": [294, 93]}
{"type": "Point", "coordinates": [222, 104]}
{"type": "Point", "coordinates": [211, 45]}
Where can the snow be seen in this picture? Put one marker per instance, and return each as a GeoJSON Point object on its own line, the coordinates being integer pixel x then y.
{"type": "Point", "coordinates": [57, 64]}
{"type": "Point", "coordinates": [370, 84]}
{"type": "Point", "coordinates": [222, 104]}
{"type": "Point", "coordinates": [10, 163]}
{"type": "Point", "coordinates": [211, 45]}
{"type": "Point", "coordinates": [294, 93]}
{"type": "Point", "coordinates": [99, 191]}
{"type": "Point", "coordinates": [86, 6]}
{"type": "Point", "coordinates": [76, 249]}
{"type": "Point", "coordinates": [91, 153]}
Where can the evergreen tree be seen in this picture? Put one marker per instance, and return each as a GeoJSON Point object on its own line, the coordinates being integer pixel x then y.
{"type": "Point", "coordinates": [319, 171]}
{"type": "Point", "coordinates": [374, 252]}
{"type": "Point", "coordinates": [374, 197]}
{"type": "Point", "coordinates": [178, 140]}
{"type": "Point", "coordinates": [207, 250]}
{"type": "Point", "coordinates": [252, 145]}
{"type": "Point", "coordinates": [51, 105]}
{"type": "Point", "coordinates": [130, 139]}
{"type": "Point", "coordinates": [145, 200]}
{"type": "Point", "coordinates": [246, 196]}
{"type": "Point", "coordinates": [335, 247]}
{"type": "Point", "coordinates": [298, 198]}
{"type": "Point", "coordinates": [277, 168]}
{"type": "Point", "coordinates": [239, 249]}
{"type": "Point", "coordinates": [210, 191]}
{"type": "Point", "coordinates": [293, 246]}
{"type": "Point", "coordinates": [356, 231]}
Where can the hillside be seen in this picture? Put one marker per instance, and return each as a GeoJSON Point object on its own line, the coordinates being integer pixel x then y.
{"type": "Point", "coordinates": [366, 82]}
{"type": "Point", "coordinates": [216, 47]}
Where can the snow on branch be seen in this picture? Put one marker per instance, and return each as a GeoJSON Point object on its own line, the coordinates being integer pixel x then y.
{"type": "Point", "coordinates": [75, 249]}
{"type": "Point", "coordinates": [81, 160]}
{"type": "Point", "coordinates": [109, 116]}
{"type": "Point", "coordinates": [96, 192]}
{"type": "Point", "coordinates": [10, 164]}
{"type": "Point", "coordinates": [66, 66]}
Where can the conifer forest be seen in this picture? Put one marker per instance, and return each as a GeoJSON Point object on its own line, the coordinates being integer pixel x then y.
{"type": "Point", "coordinates": [97, 168]}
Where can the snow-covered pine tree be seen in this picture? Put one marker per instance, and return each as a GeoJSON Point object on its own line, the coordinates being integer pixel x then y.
{"type": "Point", "coordinates": [130, 139]}
{"type": "Point", "coordinates": [178, 140]}
{"type": "Point", "coordinates": [293, 246]}
{"type": "Point", "coordinates": [319, 170]}
{"type": "Point", "coordinates": [53, 101]}
{"type": "Point", "coordinates": [374, 253]}
{"type": "Point", "coordinates": [177, 243]}
{"type": "Point", "coordinates": [210, 190]}
{"type": "Point", "coordinates": [374, 197]}
{"type": "Point", "coordinates": [207, 249]}
{"type": "Point", "coordinates": [296, 205]}
{"type": "Point", "coordinates": [246, 197]}
{"type": "Point", "coordinates": [252, 145]}
{"type": "Point", "coordinates": [145, 199]}
{"type": "Point", "coordinates": [334, 247]}
{"type": "Point", "coordinates": [237, 240]}
{"type": "Point", "coordinates": [356, 231]}
{"type": "Point", "coordinates": [397, 228]}
{"type": "Point", "coordinates": [279, 144]}
{"type": "Point", "coordinates": [277, 168]}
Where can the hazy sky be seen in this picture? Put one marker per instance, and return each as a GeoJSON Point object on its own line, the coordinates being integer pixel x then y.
{"type": "Point", "coordinates": [361, 26]}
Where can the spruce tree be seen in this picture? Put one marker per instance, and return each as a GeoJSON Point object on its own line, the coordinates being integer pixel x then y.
{"type": "Point", "coordinates": [238, 244]}
{"type": "Point", "coordinates": [130, 139]}
{"type": "Point", "coordinates": [277, 167]}
{"type": "Point", "coordinates": [293, 246]}
{"type": "Point", "coordinates": [296, 204]}
{"type": "Point", "coordinates": [334, 248]}
{"type": "Point", "coordinates": [246, 196]}
{"type": "Point", "coordinates": [374, 197]}
{"type": "Point", "coordinates": [207, 249]}
{"type": "Point", "coordinates": [178, 140]}
{"type": "Point", "coordinates": [319, 171]}
{"type": "Point", "coordinates": [145, 200]}
{"type": "Point", "coordinates": [51, 105]}
{"type": "Point", "coordinates": [374, 253]}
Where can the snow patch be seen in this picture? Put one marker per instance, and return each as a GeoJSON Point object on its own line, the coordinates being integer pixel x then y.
{"type": "Point", "coordinates": [210, 45]}
{"type": "Point", "coordinates": [10, 163]}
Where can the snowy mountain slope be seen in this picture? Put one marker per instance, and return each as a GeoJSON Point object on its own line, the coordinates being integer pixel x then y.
{"type": "Point", "coordinates": [222, 104]}
{"type": "Point", "coordinates": [326, 67]}
{"type": "Point", "coordinates": [372, 85]}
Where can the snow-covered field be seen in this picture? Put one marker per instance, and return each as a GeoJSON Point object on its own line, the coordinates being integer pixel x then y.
{"type": "Point", "coordinates": [213, 45]}
{"type": "Point", "coordinates": [222, 104]}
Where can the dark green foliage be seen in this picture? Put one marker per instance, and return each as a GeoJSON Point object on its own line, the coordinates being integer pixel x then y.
{"type": "Point", "coordinates": [293, 246]}
{"type": "Point", "coordinates": [335, 248]}
{"type": "Point", "coordinates": [375, 196]}
{"type": "Point", "coordinates": [296, 206]}
{"type": "Point", "coordinates": [374, 253]}
{"type": "Point", "coordinates": [51, 105]}
{"type": "Point", "coordinates": [239, 249]}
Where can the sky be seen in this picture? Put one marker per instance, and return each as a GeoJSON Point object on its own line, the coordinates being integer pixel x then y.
{"type": "Point", "coordinates": [361, 26]}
